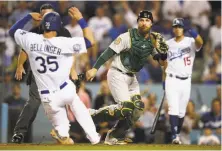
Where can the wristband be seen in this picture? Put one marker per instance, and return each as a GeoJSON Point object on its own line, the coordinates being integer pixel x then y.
{"type": "Point", "coordinates": [82, 23]}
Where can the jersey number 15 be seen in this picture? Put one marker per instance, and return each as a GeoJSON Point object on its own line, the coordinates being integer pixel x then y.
{"type": "Point", "coordinates": [187, 61]}
{"type": "Point", "coordinates": [50, 60]}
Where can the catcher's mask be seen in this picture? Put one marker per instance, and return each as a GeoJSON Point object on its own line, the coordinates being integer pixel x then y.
{"type": "Point", "coordinates": [145, 14]}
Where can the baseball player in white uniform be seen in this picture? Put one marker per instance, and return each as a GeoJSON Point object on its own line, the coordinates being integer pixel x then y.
{"type": "Point", "coordinates": [51, 60]}
{"type": "Point", "coordinates": [180, 59]}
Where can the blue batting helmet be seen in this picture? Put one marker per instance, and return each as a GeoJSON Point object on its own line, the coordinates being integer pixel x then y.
{"type": "Point", "coordinates": [178, 22]}
{"type": "Point", "coordinates": [51, 22]}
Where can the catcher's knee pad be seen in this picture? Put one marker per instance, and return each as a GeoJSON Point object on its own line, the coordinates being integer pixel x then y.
{"type": "Point", "coordinates": [138, 104]}
{"type": "Point", "coordinates": [108, 113]}
{"type": "Point", "coordinates": [139, 107]}
{"type": "Point", "coordinates": [127, 109]}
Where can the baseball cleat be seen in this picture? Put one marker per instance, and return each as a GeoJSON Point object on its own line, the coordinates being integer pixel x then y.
{"type": "Point", "coordinates": [17, 138]}
{"type": "Point", "coordinates": [176, 141]}
{"type": "Point", "coordinates": [109, 140]}
{"type": "Point", "coordinates": [61, 140]}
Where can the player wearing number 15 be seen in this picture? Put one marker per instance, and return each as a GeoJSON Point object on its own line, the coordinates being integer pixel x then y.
{"type": "Point", "coordinates": [51, 60]}
{"type": "Point", "coordinates": [180, 59]}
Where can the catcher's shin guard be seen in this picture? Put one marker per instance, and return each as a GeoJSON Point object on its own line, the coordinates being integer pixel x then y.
{"type": "Point", "coordinates": [105, 114]}
{"type": "Point", "coordinates": [122, 126]}
{"type": "Point", "coordinates": [139, 107]}
{"type": "Point", "coordinates": [113, 112]}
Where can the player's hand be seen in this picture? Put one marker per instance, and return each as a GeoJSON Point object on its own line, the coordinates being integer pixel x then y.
{"type": "Point", "coordinates": [36, 16]}
{"type": "Point", "coordinates": [19, 71]}
{"type": "Point", "coordinates": [73, 75]}
{"type": "Point", "coordinates": [75, 13]}
{"type": "Point", "coordinates": [80, 77]}
{"type": "Point", "coordinates": [91, 74]}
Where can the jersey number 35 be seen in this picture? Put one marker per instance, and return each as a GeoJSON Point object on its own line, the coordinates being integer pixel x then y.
{"type": "Point", "coordinates": [50, 62]}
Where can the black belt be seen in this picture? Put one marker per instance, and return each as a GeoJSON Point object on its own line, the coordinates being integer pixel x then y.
{"type": "Point", "coordinates": [129, 74]}
{"type": "Point", "coordinates": [47, 91]}
{"type": "Point", "coordinates": [178, 77]}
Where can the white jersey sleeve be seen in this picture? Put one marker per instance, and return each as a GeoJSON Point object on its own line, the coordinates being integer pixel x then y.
{"type": "Point", "coordinates": [121, 43]}
{"type": "Point", "coordinates": [75, 45]}
{"type": "Point", "coordinates": [22, 38]}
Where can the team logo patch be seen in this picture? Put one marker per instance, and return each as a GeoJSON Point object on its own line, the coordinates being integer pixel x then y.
{"type": "Point", "coordinates": [117, 41]}
{"type": "Point", "coordinates": [76, 47]}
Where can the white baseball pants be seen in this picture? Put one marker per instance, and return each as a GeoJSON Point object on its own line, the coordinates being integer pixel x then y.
{"type": "Point", "coordinates": [177, 94]}
{"type": "Point", "coordinates": [54, 106]}
{"type": "Point", "coordinates": [122, 86]}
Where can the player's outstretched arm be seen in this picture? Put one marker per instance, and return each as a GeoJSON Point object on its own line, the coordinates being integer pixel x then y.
{"type": "Point", "coordinates": [21, 60]}
{"type": "Point", "coordinates": [198, 39]}
{"type": "Point", "coordinates": [105, 56]}
{"type": "Point", "coordinates": [74, 13]}
{"type": "Point", "coordinates": [21, 23]}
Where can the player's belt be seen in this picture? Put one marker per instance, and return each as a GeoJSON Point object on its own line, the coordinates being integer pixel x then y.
{"type": "Point", "coordinates": [178, 77]}
{"type": "Point", "coordinates": [47, 91]}
{"type": "Point", "coordinates": [129, 74]}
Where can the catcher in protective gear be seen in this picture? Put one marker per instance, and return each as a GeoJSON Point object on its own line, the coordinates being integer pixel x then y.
{"type": "Point", "coordinates": [130, 52]}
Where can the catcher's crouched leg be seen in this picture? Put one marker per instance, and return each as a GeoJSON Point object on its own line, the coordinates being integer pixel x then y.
{"type": "Point", "coordinates": [139, 107]}
{"type": "Point", "coordinates": [119, 130]}
{"type": "Point", "coordinates": [112, 112]}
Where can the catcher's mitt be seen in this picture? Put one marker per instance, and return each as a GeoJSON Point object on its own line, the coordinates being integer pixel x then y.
{"type": "Point", "coordinates": [81, 77]}
{"type": "Point", "coordinates": [159, 42]}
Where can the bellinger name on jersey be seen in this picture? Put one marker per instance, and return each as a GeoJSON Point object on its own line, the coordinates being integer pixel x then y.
{"type": "Point", "coordinates": [45, 48]}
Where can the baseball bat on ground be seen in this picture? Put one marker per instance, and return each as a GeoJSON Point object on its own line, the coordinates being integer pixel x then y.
{"type": "Point", "coordinates": [153, 129]}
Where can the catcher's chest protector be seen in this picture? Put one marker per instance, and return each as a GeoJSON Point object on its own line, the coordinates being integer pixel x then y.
{"type": "Point", "coordinates": [135, 58]}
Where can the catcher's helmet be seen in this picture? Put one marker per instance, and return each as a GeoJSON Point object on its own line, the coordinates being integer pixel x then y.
{"type": "Point", "coordinates": [145, 14]}
{"type": "Point", "coordinates": [51, 22]}
{"type": "Point", "coordinates": [178, 22]}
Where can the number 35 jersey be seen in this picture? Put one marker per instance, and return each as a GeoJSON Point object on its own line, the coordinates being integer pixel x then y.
{"type": "Point", "coordinates": [50, 59]}
{"type": "Point", "coordinates": [180, 56]}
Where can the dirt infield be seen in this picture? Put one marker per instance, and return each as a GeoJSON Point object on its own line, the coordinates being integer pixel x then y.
{"type": "Point", "coordinates": [105, 147]}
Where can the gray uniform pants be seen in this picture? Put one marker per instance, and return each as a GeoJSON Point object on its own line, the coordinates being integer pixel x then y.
{"type": "Point", "coordinates": [29, 112]}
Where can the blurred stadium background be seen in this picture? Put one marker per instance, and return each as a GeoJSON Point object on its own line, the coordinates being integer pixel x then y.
{"type": "Point", "coordinates": [109, 19]}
